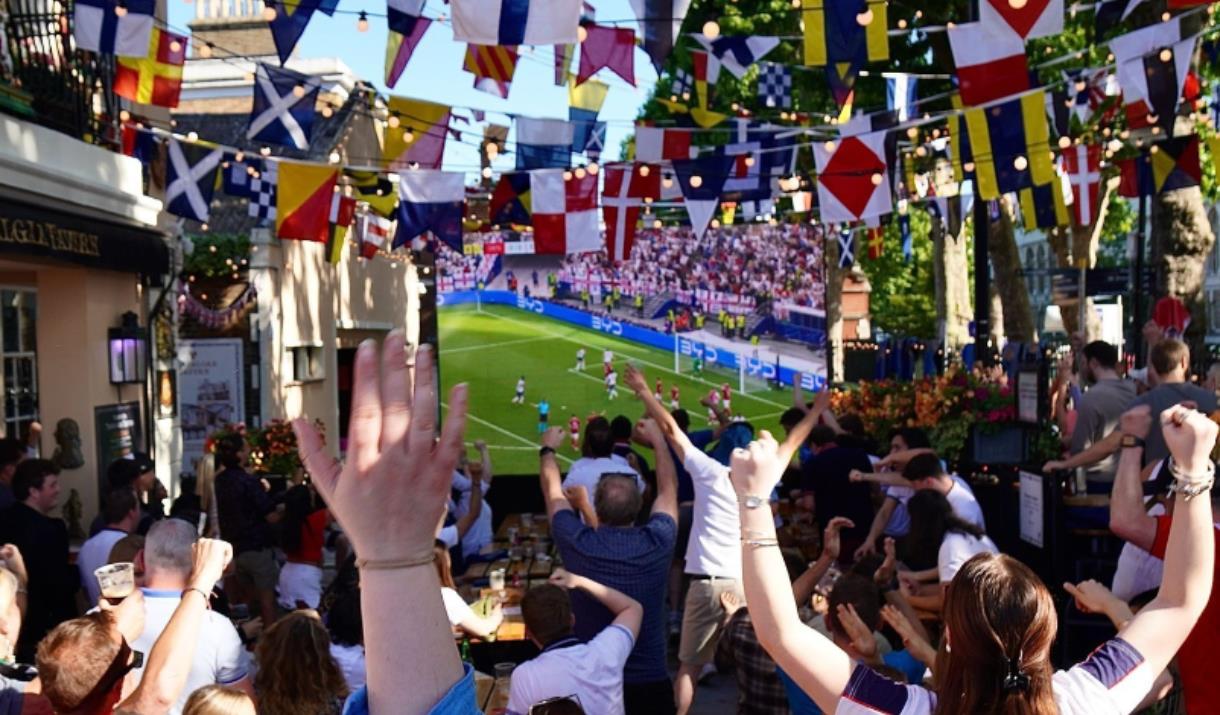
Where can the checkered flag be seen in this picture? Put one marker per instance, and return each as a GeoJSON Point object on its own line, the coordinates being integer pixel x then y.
{"type": "Point", "coordinates": [681, 84]}
{"type": "Point", "coordinates": [775, 85]}
{"type": "Point", "coordinates": [263, 193]}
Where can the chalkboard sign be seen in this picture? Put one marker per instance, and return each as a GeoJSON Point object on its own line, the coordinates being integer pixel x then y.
{"type": "Point", "coordinates": [118, 435]}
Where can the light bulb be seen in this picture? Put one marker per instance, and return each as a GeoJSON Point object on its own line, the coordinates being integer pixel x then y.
{"type": "Point", "coordinates": [796, 3]}
{"type": "Point", "coordinates": [1152, 118]}
{"type": "Point", "coordinates": [567, 175]}
{"type": "Point", "coordinates": [1020, 163]}
{"type": "Point", "coordinates": [1156, 130]}
{"type": "Point", "coordinates": [175, 47]}
{"type": "Point", "coordinates": [393, 121]}
{"type": "Point", "coordinates": [239, 157]}
{"type": "Point", "coordinates": [205, 50]}
{"type": "Point", "coordinates": [749, 160]}
{"type": "Point", "coordinates": [1153, 149]}
{"type": "Point", "coordinates": [656, 223]}
{"type": "Point", "coordinates": [829, 146]}
{"type": "Point", "coordinates": [913, 133]}
{"type": "Point", "coordinates": [644, 170]}
{"type": "Point", "coordinates": [581, 33]}
{"type": "Point", "coordinates": [327, 112]}
{"type": "Point", "coordinates": [877, 179]}
{"type": "Point", "coordinates": [334, 159]}
{"type": "Point", "coordinates": [487, 172]}
{"type": "Point", "coordinates": [120, 10]}
{"type": "Point", "coordinates": [251, 171]}
{"type": "Point", "coordinates": [736, 107]}
{"type": "Point", "coordinates": [902, 23]}
{"type": "Point", "coordinates": [667, 183]}
{"type": "Point", "coordinates": [715, 223]}
{"type": "Point", "coordinates": [1166, 55]}
{"type": "Point", "coordinates": [265, 151]}
{"type": "Point", "coordinates": [865, 18]}
{"type": "Point", "coordinates": [205, 228]}
{"type": "Point", "coordinates": [124, 116]}
{"type": "Point", "coordinates": [921, 151]}
{"type": "Point", "coordinates": [192, 137]}
{"type": "Point", "coordinates": [1165, 16]}
{"type": "Point", "coordinates": [968, 167]}
{"type": "Point", "coordinates": [1115, 146]}
{"type": "Point", "coordinates": [593, 168]}
{"type": "Point", "coordinates": [696, 181]}
{"type": "Point", "coordinates": [711, 29]}
{"type": "Point", "coordinates": [362, 23]}
{"type": "Point", "coordinates": [269, 13]}
{"type": "Point", "coordinates": [1065, 142]}
{"type": "Point", "coordinates": [580, 172]}
{"type": "Point", "coordinates": [298, 90]}
{"type": "Point", "coordinates": [408, 136]}
{"type": "Point", "coordinates": [1017, 4]}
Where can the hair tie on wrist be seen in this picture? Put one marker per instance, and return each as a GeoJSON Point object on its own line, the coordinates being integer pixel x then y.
{"type": "Point", "coordinates": [394, 564]}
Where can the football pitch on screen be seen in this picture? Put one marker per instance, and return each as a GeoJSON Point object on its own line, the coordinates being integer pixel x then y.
{"type": "Point", "coordinates": [492, 347]}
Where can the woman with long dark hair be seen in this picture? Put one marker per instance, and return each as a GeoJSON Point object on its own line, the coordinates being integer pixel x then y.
{"type": "Point", "coordinates": [940, 537]}
{"type": "Point", "coordinates": [999, 618]}
{"type": "Point", "coordinates": [302, 534]}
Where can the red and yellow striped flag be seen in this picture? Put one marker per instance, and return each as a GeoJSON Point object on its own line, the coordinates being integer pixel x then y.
{"type": "Point", "coordinates": [493, 67]}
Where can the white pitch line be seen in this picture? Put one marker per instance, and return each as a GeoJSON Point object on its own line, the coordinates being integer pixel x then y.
{"type": "Point", "coordinates": [587, 376]}
{"type": "Point", "coordinates": [641, 360]}
{"type": "Point", "coordinates": [503, 431]}
{"type": "Point", "coordinates": [487, 346]}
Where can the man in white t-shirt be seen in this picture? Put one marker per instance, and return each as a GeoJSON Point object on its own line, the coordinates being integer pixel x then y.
{"type": "Point", "coordinates": [219, 657]}
{"type": "Point", "coordinates": [600, 460]}
{"type": "Point", "coordinates": [592, 671]}
{"type": "Point", "coordinates": [120, 513]}
{"type": "Point", "coordinates": [480, 533]}
{"type": "Point", "coordinates": [925, 471]}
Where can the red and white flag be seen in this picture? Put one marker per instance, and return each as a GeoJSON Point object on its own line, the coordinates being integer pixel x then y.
{"type": "Point", "coordinates": [1028, 19]}
{"type": "Point", "coordinates": [627, 186]}
{"type": "Point", "coordinates": [1082, 164]}
{"type": "Point", "coordinates": [655, 144]}
{"type": "Point", "coordinates": [564, 212]}
{"type": "Point", "coordinates": [374, 232]}
{"type": "Point", "coordinates": [990, 62]}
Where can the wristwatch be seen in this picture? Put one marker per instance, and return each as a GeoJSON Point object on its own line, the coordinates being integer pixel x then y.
{"type": "Point", "coordinates": [545, 451]}
{"type": "Point", "coordinates": [753, 501]}
{"type": "Point", "coordinates": [1130, 441]}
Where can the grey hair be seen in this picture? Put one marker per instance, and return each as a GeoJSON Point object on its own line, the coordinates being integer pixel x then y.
{"type": "Point", "coordinates": [617, 500]}
{"type": "Point", "coordinates": [169, 546]}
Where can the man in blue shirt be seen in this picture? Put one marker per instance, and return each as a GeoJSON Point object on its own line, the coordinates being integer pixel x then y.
{"type": "Point", "coordinates": [628, 558]}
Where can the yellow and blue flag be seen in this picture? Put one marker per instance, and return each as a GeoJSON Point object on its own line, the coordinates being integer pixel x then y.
{"type": "Point", "coordinates": [1006, 140]}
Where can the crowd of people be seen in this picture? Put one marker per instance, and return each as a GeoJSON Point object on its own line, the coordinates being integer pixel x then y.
{"type": "Point", "coordinates": [905, 604]}
{"type": "Point", "coordinates": [734, 269]}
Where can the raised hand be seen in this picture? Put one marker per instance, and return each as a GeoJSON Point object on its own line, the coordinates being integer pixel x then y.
{"type": "Point", "coordinates": [553, 437]}
{"type": "Point", "coordinates": [636, 379]}
{"type": "Point", "coordinates": [648, 433]}
{"type": "Point", "coordinates": [756, 470]}
{"type": "Point", "coordinates": [858, 631]}
{"type": "Point", "coordinates": [563, 579]}
{"type": "Point", "coordinates": [831, 543]}
{"type": "Point", "coordinates": [210, 557]}
{"type": "Point", "coordinates": [1136, 422]}
{"type": "Point", "coordinates": [1091, 596]}
{"type": "Point", "coordinates": [1190, 436]}
{"type": "Point", "coordinates": [898, 621]}
{"type": "Point", "coordinates": [577, 495]}
{"type": "Point", "coordinates": [13, 561]}
{"type": "Point", "coordinates": [391, 492]}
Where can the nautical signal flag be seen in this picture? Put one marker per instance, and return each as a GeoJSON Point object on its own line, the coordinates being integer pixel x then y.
{"type": "Point", "coordinates": [283, 111]}
{"type": "Point", "coordinates": [657, 144]}
{"type": "Point", "coordinates": [400, 46]}
{"type": "Point", "coordinates": [1027, 20]}
{"type": "Point", "coordinates": [493, 67]}
{"type": "Point", "coordinates": [1135, 177]}
{"type": "Point", "coordinates": [612, 47]}
{"type": "Point", "coordinates": [1043, 206]}
{"type": "Point", "coordinates": [852, 178]}
{"type": "Point", "coordinates": [342, 212]}
{"type": "Point", "coordinates": [291, 19]}
{"type": "Point", "coordinates": [835, 32]}
{"type": "Point", "coordinates": [660, 23]}
{"type": "Point", "coordinates": [515, 22]}
{"type": "Point", "coordinates": [1153, 63]}
{"type": "Point", "coordinates": [627, 187]}
{"type": "Point", "coordinates": [155, 78]}
{"type": "Point", "coordinates": [737, 53]}
{"type": "Point", "coordinates": [584, 103]}
{"type": "Point", "coordinates": [191, 179]}
{"type": "Point", "coordinates": [302, 206]}
{"type": "Point", "coordinates": [1006, 139]}
{"type": "Point", "coordinates": [431, 201]}
{"type": "Point", "coordinates": [510, 201]}
{"type": "Point", "coordinates": [702, 180]}
{"type": "Point", "coordinates": [1082, 164]}
{"type": "Point", "coordinates": [403, 15]}
{"type": "Point", "coordinates": [564, 212]}
{"type": "Point", "coordinates": [98, 28]}
{"type": "Point", "coordinates": [420, 135]}
{"type": "Point", "coordinates": [990, 62]}
{"type": "Point", "coordinates": [1175, 163]}
{"type": "Point", "coordinates": [375, 189]}
{"type": "Point", "coordinates": [543, 143]}
{"type": "Point", "coordinates": [775, 85]}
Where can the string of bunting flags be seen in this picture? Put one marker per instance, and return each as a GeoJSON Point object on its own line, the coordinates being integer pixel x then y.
{"type": "Point", "coordinates": [1004, 135]}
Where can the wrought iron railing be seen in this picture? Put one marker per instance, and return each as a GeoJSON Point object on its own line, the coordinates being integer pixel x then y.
{"type": "Point", "coordinates": [69, 90]}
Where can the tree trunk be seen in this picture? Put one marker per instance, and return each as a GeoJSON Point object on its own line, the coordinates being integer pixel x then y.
{"type": "Point", "coordinates": [1182, 238]}
{"type": "Point", "coordinates": [951, 273]}
{"type": "Point", "coordinates": [834, 307]}
{"type": "Point", "coordinates": [1070, 245]}
{"type": "Point", "coordinates": [1009, 281]}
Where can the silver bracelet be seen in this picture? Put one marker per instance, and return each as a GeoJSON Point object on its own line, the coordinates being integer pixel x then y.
{"type": "Point", "coordinates": [760, 543]}
{"type": "Point", "coordinates": [1190, 485]}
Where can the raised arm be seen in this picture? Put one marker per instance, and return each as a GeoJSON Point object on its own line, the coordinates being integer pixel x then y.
{"type": "Point", "coordinates": [888, 479]}
{"type": "Point", "coordinates": [578, 497]}
{"type": "Point", "coordinates": [897, 460]}
{"type": "Point", "coordinates": [169, 662]}
{"type": "Point", "coordinates": [472, 514]}
{"type": "Point", "coordinates": [13, 561]}
{"type": "Point", "coordinates": [627, 611]}
{"type": "Point", "coordinates": [647, 431]}
{"type": "Point", "coordinates": [805, 584]}
{"type": "Point", "coordinates": [798, 394]}
{"type": "Point", "coordinates": [1129, 518]}
{"type": "Point", "coordinates": [548, 473]}
{"type": "Point", "coordinates": [819, 667]}
{"type": "Point", "coordinates": [1159, 629]}
{"type": "Point", "coordinates": [638, 383]}
{"type": "Point", "coordinates": [485, 460]}
{"type": "Point", "coordinates": [888, 505]}
{"type": "Point", "coordinates": [388, 498]}
{"type": "Point", "coordinates": [1096, 452]}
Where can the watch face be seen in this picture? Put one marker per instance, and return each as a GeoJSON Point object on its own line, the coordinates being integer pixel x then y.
{"type": "Point", "coordinates": [753, 502]}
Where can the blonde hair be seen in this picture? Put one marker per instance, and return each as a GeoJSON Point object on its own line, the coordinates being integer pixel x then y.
{"type": "Point", "coordinates": [218, 700]}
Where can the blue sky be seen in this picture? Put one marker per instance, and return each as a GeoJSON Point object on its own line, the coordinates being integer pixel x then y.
{"type": "Point", "coordinates": [435, 72]}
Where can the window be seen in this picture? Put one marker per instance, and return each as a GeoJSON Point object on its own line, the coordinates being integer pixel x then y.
{"type": "Point", "coordinates": [307, 363]}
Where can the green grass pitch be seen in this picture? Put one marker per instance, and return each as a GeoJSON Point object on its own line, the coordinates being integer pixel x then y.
{"type": "Point", "coordinates": [490, 349]}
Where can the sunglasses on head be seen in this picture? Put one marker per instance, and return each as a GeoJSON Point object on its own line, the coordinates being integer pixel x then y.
{"type": "Point", "coordinates": [105, 695]}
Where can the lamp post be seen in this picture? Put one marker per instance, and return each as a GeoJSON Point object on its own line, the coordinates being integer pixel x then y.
{"type": "Point", "coordinates": [128, 349]}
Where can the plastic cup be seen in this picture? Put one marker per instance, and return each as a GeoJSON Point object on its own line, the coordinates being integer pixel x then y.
{"type": "Point", "coordinates": [495, 580]}
{"type": "Point", "coordinates": [116, 581]}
